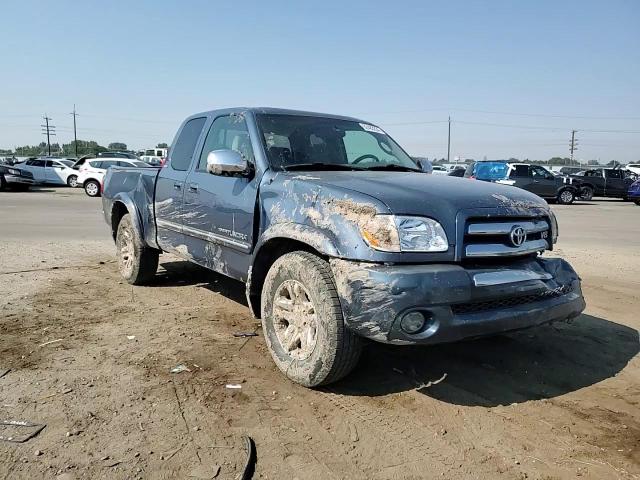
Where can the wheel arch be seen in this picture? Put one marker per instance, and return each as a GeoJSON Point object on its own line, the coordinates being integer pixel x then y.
{"type": "Point", "coordinates": [119, 208]}
{"type": "Point", "coordinates": [277, 241]}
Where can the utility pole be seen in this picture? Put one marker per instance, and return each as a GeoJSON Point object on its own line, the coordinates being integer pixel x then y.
{"type": "Point", "coordinates": [449, 142]}
{"type": "Point", "coordinates": [48, 130]}
{"type": "Point", "coordinates": [573, 146]}
{"type": "Point", "coordinates": [75, 136]}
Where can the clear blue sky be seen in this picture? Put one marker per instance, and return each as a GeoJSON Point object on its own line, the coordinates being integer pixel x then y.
{"type": "Point", "coordinates": [135, 69]}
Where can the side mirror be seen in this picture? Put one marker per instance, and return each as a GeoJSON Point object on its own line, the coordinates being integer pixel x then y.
{"type": "Point", "coordinates": [226, 162]}
{"type": "Point", "coordinates": [425, 165]}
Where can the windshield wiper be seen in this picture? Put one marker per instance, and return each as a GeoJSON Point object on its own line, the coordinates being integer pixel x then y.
{"type": "Point", "coordinates": [391, 166]}
{"type": "Point", "coordinates": [319, 166]}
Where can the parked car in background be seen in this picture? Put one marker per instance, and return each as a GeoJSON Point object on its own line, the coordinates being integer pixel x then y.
{"type": "Point", "coordinates": [339, 234]}
{"type": "Point", "coordinates": [55, 171]}
{"type": "Point", "coordinates": [633, 167]}
{"type": "Point", "coordinates": [607, 182]}
{"type": "Point", "coordinates": [566, 170]}
{"type": "Point", "coordinates": [8, 160]}
{"type": "Point", "coordinates": [633, 193]}
{"type": "Point", "coordinates": [533, 178]}
{"type": "Point", "coordinates": [92, 172]}
{"type": "Point", "coordinates": [15, 178]}
{"type": "Point", "coordinates": [154, 156]}
{"type": "Point", "coordinates": [116, 154]}
{"type": "Point", "coordinates": [439, 170]}
{"type": "Point", "coordinates": [457, 171]}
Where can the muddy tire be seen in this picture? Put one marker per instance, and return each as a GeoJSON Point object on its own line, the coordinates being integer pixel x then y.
{"type": "Point", "coordinates": [92, 188]}
{"type": "Point", "coordinates": [137, 263]}
{"type": "Point", "coordinates": [303, 324]}
{"type": "Point", "coordinates": [72, 181]}
{"type": "Point", "coordinates": [566, 197]}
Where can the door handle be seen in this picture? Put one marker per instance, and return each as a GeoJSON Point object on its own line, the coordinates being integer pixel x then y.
{"type": "Point", "coordinates": [177, 186]}
{"type": "Point", "coordinates": [193, 187]}
{"type": "Point", "coordinates": [536, 181]}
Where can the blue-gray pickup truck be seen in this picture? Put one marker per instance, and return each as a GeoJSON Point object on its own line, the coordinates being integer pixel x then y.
{"type": "Point", "coordinates": [339, 235]}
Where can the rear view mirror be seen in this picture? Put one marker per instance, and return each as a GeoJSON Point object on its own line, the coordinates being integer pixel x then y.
{"type": "Point", "coordinates": [226, 162]}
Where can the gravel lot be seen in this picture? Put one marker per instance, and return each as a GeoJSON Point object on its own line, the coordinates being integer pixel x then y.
{"type": "Point", "coordinates": [556, 402]}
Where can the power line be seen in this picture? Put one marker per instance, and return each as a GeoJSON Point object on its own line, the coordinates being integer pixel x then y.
{"type": "Point", "coordinates": [449, 141]}
{"type": "Point", "coordinates": [573, 146]}
{"type": "Point", "coordinates": [519, 114]}
{"type": "Point", "coordinates": [75, 134]}
{"type": "Point", "coordinates": [49, 130]}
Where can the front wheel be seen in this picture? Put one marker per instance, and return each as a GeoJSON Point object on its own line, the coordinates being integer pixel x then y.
{"type": "Point", "coordinates": [566, 197]}
{"type": "Point", "coordinates": [586, 193]}
{"type": "Point", "coordinates": [137, 263]}
{"type": "Point", "coordinates": [303, 324]}
{"type": "Point", "coordinates": [637, 202]}
{"type": "Point", "coordinates": [72, 181]}
{"type": "Point", "coordinates": [92, 188]}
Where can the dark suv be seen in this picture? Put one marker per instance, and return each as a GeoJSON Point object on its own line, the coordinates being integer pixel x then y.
{"type": "Point", "coordinates": [533, 178]}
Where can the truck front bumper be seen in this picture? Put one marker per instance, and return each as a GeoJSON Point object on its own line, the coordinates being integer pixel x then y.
{"type": "Point", "coordinates": [457, 302]}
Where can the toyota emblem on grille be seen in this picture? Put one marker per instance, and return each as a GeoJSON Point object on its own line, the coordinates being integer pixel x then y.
{"type": "Point", "coordinates": [517, 236]}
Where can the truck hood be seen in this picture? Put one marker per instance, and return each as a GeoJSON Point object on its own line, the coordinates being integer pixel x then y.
{"type": "Point", "coordinates": [408, 193]}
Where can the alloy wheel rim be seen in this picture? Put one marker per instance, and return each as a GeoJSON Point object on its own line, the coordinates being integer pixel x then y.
{"type": "Point", "coordinates": [92, 189]}
{"type": "Point", "coordinates": [295, 319]}
{"type": "Point", "coordinates": [566, 196]}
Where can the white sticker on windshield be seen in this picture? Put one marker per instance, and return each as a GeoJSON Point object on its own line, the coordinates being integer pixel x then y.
{"type": "Point", "coordinates": [371, 128]}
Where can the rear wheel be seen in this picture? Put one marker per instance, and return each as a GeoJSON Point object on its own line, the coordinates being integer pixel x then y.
{"type": "Point", "coordinates": [3, 183]}
{"type": "Point", "coordinates": [586, 193]}
{"type": "Point", "coordinates": [72, 181]}
{"type": "Point", "coordinates": [137, 263]}
{"type": "Point", "coordinates": [566, 197]}
{"type": "Point", "coordinates": [92, 188]}
{"type": "Point", "coordinates": [303, 324]}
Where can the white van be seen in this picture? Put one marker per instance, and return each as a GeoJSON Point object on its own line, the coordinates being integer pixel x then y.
{"type": "Point", "coordinates": [154, 156]}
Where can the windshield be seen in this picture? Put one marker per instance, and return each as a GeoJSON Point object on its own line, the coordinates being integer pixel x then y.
{"type": "Point", "coordinates": [140, 164]}
{"type": "Point", "coordinates": [491, 170]}
{"type": "Point", "coordinates": [301, 140]}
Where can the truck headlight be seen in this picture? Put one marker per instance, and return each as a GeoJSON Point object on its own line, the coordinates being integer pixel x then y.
{"type": "Point", "coordinates": [392, 233]}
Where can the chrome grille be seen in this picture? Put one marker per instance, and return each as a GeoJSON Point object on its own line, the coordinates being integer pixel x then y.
{"type": "Point", "coordinates": [485, 238]}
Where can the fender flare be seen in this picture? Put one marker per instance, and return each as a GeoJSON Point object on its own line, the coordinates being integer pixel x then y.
{"type": "Point", "coordinates": [309, 235]}
{"type": "Point", "coordinates": [133, 210]}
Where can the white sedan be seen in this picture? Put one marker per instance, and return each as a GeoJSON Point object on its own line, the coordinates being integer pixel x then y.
{"type": "Point", "coordinates": [56, 171]}
{"type": "Point", "coordinates": [93, 170]}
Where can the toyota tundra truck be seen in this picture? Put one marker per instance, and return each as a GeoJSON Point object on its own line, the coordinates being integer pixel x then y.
{"type": "Point", "coordinates": [340, 237]}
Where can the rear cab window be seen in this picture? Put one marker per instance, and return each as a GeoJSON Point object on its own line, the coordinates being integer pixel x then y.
{"type": "Point", "coordinates": [519, 171]}
{"type": "Point", "coordinates": [185, 146]}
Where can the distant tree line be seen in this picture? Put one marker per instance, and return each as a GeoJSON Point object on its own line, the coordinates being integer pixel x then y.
{"type": "Point", "coordinates": [85, 147]}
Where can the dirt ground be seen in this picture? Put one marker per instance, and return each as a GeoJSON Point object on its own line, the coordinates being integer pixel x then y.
{"type": "Point", "coordinates": [90, 357]}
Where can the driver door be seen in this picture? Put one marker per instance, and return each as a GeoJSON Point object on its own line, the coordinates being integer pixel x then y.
{"type": "Point", "coordinates": [543, 182]}
{"type": "Point", "coordinates": [53, 172]}
{"type": "Point", "coordinates": [218, 210]}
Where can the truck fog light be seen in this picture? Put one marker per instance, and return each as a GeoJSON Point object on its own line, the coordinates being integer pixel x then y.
{"type": "Point", "coordinates": [412, 322]}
